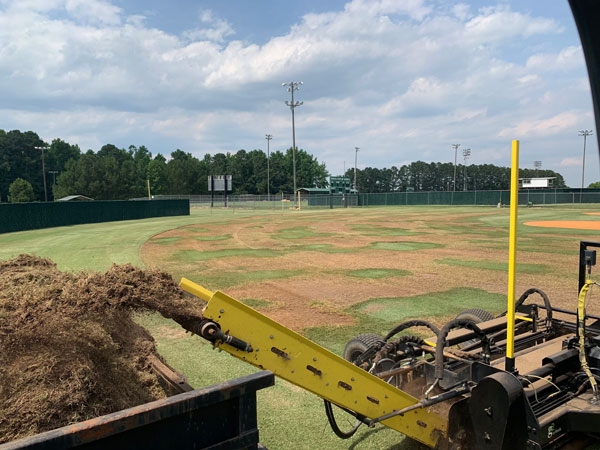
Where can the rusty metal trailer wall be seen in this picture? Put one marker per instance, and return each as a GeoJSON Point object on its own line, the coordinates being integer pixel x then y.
{"type": "Point", "coordinates": [218, 417]}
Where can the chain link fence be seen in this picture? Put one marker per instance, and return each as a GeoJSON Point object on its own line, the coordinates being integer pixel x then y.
{"type": "Point", "coordinates": [530, 197]}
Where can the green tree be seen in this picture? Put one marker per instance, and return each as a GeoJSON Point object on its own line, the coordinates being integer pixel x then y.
{"type": "Point", "coordinates": [257, 161]}
{"type": "Point", "coordinates": [142, 158]}
{"type": "Point", "coordinates": [108, 175]}
{"type": "Point", "coordinates": [240, 169]}
{"type": "Point", "coordinates": [59, 153]}
{"type": "Point", "coordinates": [111, 174]}
{"type": "Point", "coordinates": [80, 177]}
{"type": "Point", "coordinates": [20, 191]}
{"type": "Point", "coordinates": [309, 172]}
{"type": "Point", "coordinates": [19, 158]}
{"type": "Point", "coordinates": [219, 164]}
{"type": "Point", "coordinates": [157, 175]}
{"type": "Point", "coordinates": [280, 173]}
{"type": "Point", "coordinates": [184, 174]}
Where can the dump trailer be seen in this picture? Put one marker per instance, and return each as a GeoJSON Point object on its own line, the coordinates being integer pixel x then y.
{"type": "Point", "coordinates": [452, 390]}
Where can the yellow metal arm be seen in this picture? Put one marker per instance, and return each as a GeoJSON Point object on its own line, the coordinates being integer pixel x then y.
{"type": "Point", "coordinates": [312, 367]}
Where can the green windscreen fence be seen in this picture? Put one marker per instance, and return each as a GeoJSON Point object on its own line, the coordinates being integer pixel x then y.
{"type": "Point", "coordinates": [31, 216]}
{"type": "Point", "coordinates": [457, 198]}
{"type": "Point", "coordinates": [526, 197]}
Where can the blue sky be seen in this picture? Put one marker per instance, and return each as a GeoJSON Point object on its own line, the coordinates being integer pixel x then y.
{"type": "Point", "coordinates": [403, 81]}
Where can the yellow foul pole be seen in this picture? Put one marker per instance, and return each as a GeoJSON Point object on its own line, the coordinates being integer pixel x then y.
{"type": "Point", "coordinates": [512, 258]}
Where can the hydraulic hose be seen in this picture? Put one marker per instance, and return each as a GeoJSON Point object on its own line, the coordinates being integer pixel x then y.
{"type": "Point", "coordinates": [581, 334]}
{"type": "Point", "coordinates": [334, 425]}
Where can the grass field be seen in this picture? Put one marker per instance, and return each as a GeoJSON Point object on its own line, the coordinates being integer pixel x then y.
{"type": "Point", "coordinates": [329, 274]}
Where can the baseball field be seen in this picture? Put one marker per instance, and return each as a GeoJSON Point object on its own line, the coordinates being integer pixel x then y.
{"type": "Point", "coordinates": [330, 275]}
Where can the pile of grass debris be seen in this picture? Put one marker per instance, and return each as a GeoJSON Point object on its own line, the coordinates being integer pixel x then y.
{"type": "Point", "coordinates": [69, 348]}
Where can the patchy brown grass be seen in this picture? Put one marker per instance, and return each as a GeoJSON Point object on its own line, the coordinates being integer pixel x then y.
{"type": "Point", "coordinates": [329, 245]}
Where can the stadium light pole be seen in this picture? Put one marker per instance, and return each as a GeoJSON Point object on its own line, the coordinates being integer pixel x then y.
{"type": "Point", "coordinates": [356, 149]}
{"type": "Point", "coordinates": [268, 137]}
{"type": "Point", "coordinates": [44, 171]}
{"type": "Point", "coordinates": [455, 146]}
{"type": "Point", "coordinates": [585, 134]}
{"type": "Point", "coordinates": [466, 154]}
{"type": "Point", "coordinates": [291, 87]}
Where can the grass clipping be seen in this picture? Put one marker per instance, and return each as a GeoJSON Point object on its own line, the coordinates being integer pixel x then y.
{"type": "Point", "coordinates": [69, 348]}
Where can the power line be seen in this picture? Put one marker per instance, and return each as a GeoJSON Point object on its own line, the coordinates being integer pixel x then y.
{"type": "Point", "coordinates": [356, 149]}
{"type": "Point", "coordinates": [268, 137]}
{"type": "Point", "coordinates": [291, 87]}
{"type": "Point", "coordinates": [44, 171]}
{"type": "Point", "coordinates": [585, 134]}
{"type": "Point", "coordinates": [455, 146]}
{"type": "Point", "coordinates": [466, 154]}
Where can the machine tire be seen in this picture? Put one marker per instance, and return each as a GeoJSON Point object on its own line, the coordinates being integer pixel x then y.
{"type": "Point", "coordinates": [475, 315]}
{"type": "Point", "coordinates": [360, 344]}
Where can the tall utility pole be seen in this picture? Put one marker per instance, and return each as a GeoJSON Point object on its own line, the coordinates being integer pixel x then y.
{"type": "Point", "coordinates": [356, 149]}
{"type": "Point", "coordinates": [268, 137]}
{"type": "Point", "coordinates": [455, 146]}
{"type": "Point", "coordinates": [585, 134]}
{"type": "Point", "coordinates": [53, 172]}
{"type": "Point", "coordinates": [44, 171]}
{"type": "Point", "coordinates": [466, 154]}
{"type": "Point", "coordinates": [291, 87]}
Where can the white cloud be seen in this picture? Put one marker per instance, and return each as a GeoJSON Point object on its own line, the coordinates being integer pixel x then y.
{"type": "Point", "coordinates": [544, 127]}
{"type": "Point", "coordinates": [94, 11]}
{"type": "Point", "coordinates": [494, 24]}
{"type": "Point", "coordinates": [402, 80]}
{"type": "Point", "coordinates": [571, 162]}
{"type": "Point", "coordinates": [462, 11]}
{"type": "Point", "coordinates": [567, 59]}
{"type": "Point", "coordinates": [216, 29]}
{"type": "Point", "coordinates": [415, 9]}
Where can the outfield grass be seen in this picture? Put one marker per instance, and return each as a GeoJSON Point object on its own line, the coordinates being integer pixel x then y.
{"type": "Point", "coordinates": [290, 418]}
{"type": "Point", "coordinates": [90, 247]}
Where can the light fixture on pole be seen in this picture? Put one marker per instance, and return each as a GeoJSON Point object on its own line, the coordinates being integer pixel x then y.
{"type": "Point", "coordinates": [466, 154]}
{"type": "Point", "coordinates": [455, 146]}
{"type": "Point", "coordinates": [291, 87]}
{"type": "Point", "coordinates": [268, 137]}
{"type": "Point", "coordinates": [585, 134]}
{"type": "Point", "coordinates": [356, 149]}
{"type": "Point", "coordinates": [44, 171]}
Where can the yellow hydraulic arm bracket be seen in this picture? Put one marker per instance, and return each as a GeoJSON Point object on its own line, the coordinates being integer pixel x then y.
{"type": "Point", "coordinates": [269, 345]}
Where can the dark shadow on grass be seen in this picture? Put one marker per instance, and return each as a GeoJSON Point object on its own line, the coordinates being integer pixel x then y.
{"type": "Point", "coordinates": [406, 443]}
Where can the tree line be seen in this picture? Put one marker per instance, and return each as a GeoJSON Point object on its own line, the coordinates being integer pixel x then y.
{"type": "Point", "coordinates": [436, 176]}
{"type": "Point", "coordinates": [114, 173]}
